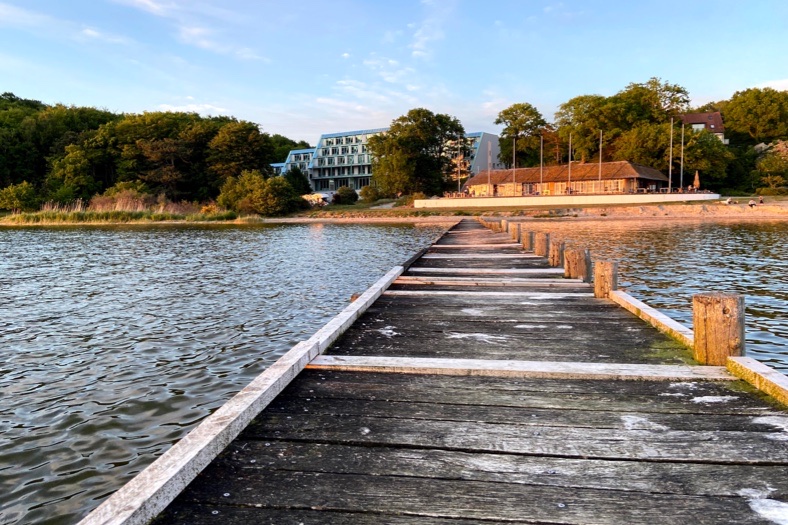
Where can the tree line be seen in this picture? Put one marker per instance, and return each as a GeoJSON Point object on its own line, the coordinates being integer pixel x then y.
{"type": "Point", "coordinates": [635, 125]}
{"type": "Point", "coordinates": [61, 153]}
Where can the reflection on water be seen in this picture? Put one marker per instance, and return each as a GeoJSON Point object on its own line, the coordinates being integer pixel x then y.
{"type": "Point", "coordinates": [666, 263]}
{"type": "Point", "coordinates": [115, 341]}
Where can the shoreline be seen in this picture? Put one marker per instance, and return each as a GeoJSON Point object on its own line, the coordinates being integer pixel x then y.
{"type": "Point", "coordinates": [718, 211]}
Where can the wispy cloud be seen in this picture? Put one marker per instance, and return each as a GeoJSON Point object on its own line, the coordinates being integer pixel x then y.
{"type": "Point", "coordinates": [203, 109]}
{"type": "Point", "coordinates": [200, 25]}
{"type": "Point", "coordinates": [12, 16]}
{"type": "Point", "coordinates": [430, 29]}
{"type": "Point", "coordinates": [779, 84]}
{"type": "Point", "coordinates": [94, 34]}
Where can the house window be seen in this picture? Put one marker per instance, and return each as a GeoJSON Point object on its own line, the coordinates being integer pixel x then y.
{"type": "Point", "coordinates": [334, 151]}
{"type": "Point", "coordinates": [329, 142]}
{"type": "Point", "coordinates": [325, 151]}
{"type": "Point", "coordinates": [344, 150]}
{"type": "Point", "coordinates": [350, 159]}
{"type": "Point", "coordinates": [339, 140]}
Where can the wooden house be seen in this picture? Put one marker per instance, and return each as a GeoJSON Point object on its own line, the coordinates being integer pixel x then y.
{"type": "Point", "coordinates": [607, 177]}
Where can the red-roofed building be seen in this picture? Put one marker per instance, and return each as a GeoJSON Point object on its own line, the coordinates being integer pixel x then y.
{"type": "Point", "coordinates": [711, 122]}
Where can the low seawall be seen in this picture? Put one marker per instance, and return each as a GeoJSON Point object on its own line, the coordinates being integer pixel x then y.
{"type": "Point", "coordinates": [563, 200]}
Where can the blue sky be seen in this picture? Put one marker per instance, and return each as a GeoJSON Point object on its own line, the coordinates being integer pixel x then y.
{"type": "Point", "coordinates": [302, 68]}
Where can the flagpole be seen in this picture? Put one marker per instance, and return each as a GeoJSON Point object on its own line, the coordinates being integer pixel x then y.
{"type": "Point", "coordinates": [541, 162]}
{"type": "Point", "coordinates": [569, 178]}
{"type": "Point", "coordinates": [681, 171]}
{"type": "Point", "coordinates": [670, 161]}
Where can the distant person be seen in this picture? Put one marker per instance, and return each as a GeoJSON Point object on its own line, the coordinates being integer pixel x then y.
{"type": "Point", "coordinates": [760, 199]}
{"type": "Point", "coordinates": [751, 204]}
{"type": "Point", "coordinates": [728, 200]}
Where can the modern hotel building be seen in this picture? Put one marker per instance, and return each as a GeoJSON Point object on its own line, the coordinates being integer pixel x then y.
{"type": "Point", "coordinates": [342, 159]}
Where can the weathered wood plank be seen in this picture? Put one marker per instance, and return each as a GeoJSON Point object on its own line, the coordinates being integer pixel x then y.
{"type": "Point", "coordinates": [501, 368]}
{"type": "Point", "coordinates": [684, 397]}
{"type": "Point", "coordinates": [645, 444]}
{"type": "Point", "coordinates": [494, 502]}
{"type": "Point", "coordinates": [655, 318]}
{"type": "Point", "coordinates": [761, 376]}
{"type": "Point", "coordinates": [665, 478]}
{"type": "Point", "coordinates": [485, 256]}
{"type": "Point", "coordinates": [489, 271]}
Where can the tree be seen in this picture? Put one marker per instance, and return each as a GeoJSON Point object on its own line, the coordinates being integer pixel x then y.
{"type": "Point", "coordinates": [412, 156]}
{"type": "Point", "coordinates": [757, 115]}
{"type": "Point", "coordinates": [19, 197]}
{"type": "Point", "coordinates": [519, 120]}
{"type": "Point", "coordinates": [253, 192]}
{"type": "Point", "coordinates": [282, 146]}
{"type": "Point", "coordinates": [298, 180]}
{"type": "Point", "coordinates": [239, 146]}
{"type": "Point", "coordinates": [345, 195]}
{"type": "Point", "coordinates": [653, 101]}
{"type": "Point", "coordinates": [583, 117]}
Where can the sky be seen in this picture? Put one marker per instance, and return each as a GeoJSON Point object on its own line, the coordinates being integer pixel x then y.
{"type": "Point", "coordinates": [306, 67]}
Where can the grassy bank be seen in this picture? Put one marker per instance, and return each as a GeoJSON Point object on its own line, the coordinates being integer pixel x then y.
{"type": "Point", "coordinates": [109, 217]}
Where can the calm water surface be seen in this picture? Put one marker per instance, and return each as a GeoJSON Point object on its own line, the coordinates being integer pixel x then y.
{"type": "Point", "coordinates": [665, 263]}
{"type": "Point", "coordinates": [116, 341]}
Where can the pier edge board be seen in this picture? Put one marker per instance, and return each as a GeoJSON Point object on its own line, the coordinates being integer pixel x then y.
{"type": "Point", "coordinates": [761, 376]}
{"type": "Point", "coordinates": [654, 317]}
{"type": "Point", "coordinates": [147, 494]}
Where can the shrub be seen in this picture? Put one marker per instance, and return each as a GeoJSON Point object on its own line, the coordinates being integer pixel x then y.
{"type": "Point", "coordinates": [370, 193]}
{"type": "Point", "coordinates": [19, 197]}
{"type": "Point", "coordinates": [345, 195]}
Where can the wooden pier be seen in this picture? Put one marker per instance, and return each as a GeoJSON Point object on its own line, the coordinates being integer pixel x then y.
{"type": "Point", "coordinates": [484, 387]}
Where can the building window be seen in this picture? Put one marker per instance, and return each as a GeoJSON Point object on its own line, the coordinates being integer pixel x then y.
{"type": "Point", "coordinates": [353, 149]}
{"type": "Point", "coordinates": [339, 140]}
{"type": "Point", "coordinates": [329, 142]}
{"type": "Point", "coordinates": [350, 159]}
{"type": "Point", "coordinates": [330, 161]}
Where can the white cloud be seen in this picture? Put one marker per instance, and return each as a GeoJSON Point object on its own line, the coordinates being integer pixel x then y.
{"type": "Point", "coordinates": [17, 17]}
{"type": "Point", "coordinates": [203, 109]}
{"type": "Point", "coordinates": [431, 28]}
{"type": "Point", "coordinates": [94, 34]}
{"type": "Point", "coordinates": [346, 55]}
{"type": "Point", "coordinates": [779, 85]}
{"type": "Point", "coordinates": [151, 6]}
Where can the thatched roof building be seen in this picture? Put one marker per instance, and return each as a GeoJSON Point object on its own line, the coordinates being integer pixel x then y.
{"type": "Point", "coordinates": [614, 177]}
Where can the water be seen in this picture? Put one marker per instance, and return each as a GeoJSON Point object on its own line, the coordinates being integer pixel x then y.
{"type": "Point", "coordinates": [116, 341]}
{"type": "Point", "coordinates": [664, 263]}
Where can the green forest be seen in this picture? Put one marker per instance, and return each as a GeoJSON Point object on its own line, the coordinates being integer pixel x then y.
{"type": "Point", "coordinates": [57, 155]}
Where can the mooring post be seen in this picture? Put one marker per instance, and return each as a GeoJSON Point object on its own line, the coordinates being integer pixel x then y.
{"type": "Point", "coordinates": [718, 325]}
{"type": "Point", "coordinates": [516, 232]}
{"type": "Point", "coordinates": [605, 278]}
{"type": "Point", "coordinates": [577, 264]}
{"type": "Point", "coordinates": [528, 241]}
{"type": "Point", "coordinates": [541, 242]}
{"type": "Point", "coordinates": [556, 255]}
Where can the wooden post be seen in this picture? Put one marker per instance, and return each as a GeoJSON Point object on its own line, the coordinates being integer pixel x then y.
{"type": "Point", "coordinates": [541, 242]}
{"type": "Point", "coordinates": [556, 255]}
{"type": "Point", "coordinates": [516, 232]}
{"type": "Point", "coordinates": [528, 241]}
{"type": "Point", "coordinates": [718, 324]}
{"type": "Point", "coordinates": [577, 264]}
{"type": "Point", "coordinates": [504, 225]}
{"type": "Point", "coordinates": [605, 278]}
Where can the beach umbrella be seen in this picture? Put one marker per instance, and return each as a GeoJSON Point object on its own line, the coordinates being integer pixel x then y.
{"type": "Point", "coordinates": [696, 184]}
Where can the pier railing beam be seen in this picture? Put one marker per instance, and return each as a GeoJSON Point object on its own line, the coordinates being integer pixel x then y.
{"type": "Point", "coordinates": [718, 324]}
{"type": "Point", "coordinates": [541, 243]}
{"type": "Point", "coordinates": [556, 255]}
{"type": "Point", "coordinates": [577, 264]}
{"type": "Point", "coordinates": [605, 278]}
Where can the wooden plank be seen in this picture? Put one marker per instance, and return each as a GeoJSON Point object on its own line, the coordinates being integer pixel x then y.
{"type": "Point", "coordinates": [761, 376]}
{"type": "Point", "coordinates": [657, 319]}
{"type": "Point", "coordinates": [643, 443]}
{"type": "Point", "coordinates": [389, 496]}
{"type": "Point", "coordinates": [654, 397]}
{"type": "Point", "coordinates": [488, 271]}
{"type": "Point", "coordinates": [665, 478]}
{"type": "Point", "coordinates": [491, 256]}
{"type": "Point", "coordinates": [524, 295]}
{"type": "Point", "coordinates": [148, 493]}
{"type": "Point", "coordinates": [509, 368]}
{"type": "Point", "coordinates": [493, 246]}
{"type": "Point", "coordinates": [481, 281]}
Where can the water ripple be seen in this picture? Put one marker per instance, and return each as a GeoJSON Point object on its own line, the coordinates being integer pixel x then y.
{"type": "Point", "coordinates": [666, 263]}
{"type": "Point", "coordinates": [116, 341]}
